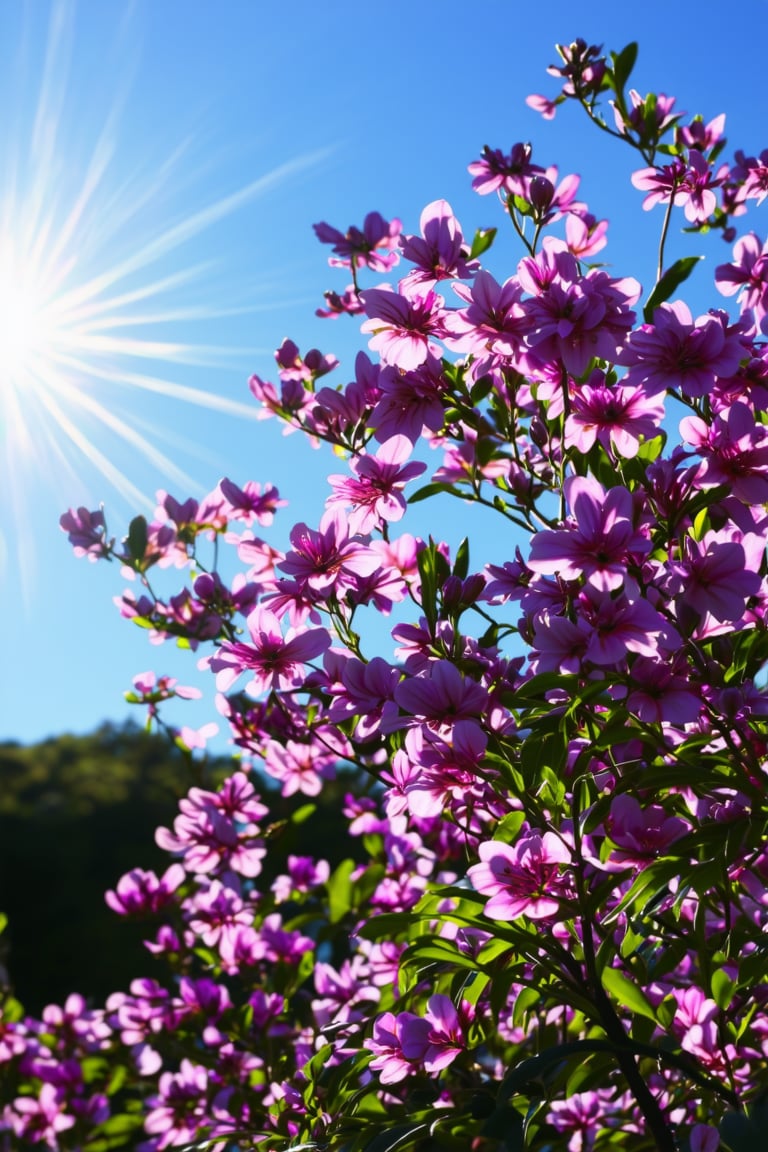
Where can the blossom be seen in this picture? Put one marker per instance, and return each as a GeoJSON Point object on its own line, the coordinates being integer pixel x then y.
{"type": "Point", "coordinates": [327, 561]}
{"type": "Point", "coordinates": [275, 661]}
{"type": "Point", "coordinates": [373, 245]}
{"type": "Point", "coordinates": [375, 492]}
{"type": "Point", "coordinates": [597, 543]}
{"type": "Point", "coordinates": [677, 353]}
{"type": "Point", "coordinates": [249, 503]}
{"type": "Point", "coordinates": [40, 1120]}
{"type": "Point", "coordinates": [542, 104]}
{"type": "Point", "coordinates": [439, 253]}
{"type": "Point", "coordinates": [403, 324]}
{"type": "Point", "coordinates": [497, 172]}
{"type": "Point", "coordinates": [641, 832]}
{"type": "Point", "coordinates": [524, 878]}
{"type": "Point", "coordinates": [493, 321]}
{"type": "Point", "coordinates": [573, 318]}
{"type": "Point", "coordinates": [85, 532]}
{"type": "Point", "coordinates": [392, 1034]}
{"type": "Point", "coordinates": [443, 696]}
{"type": "Point", "coordinates": [617, 417]}
{"type": "Point", "coordinates": [410, 402]}
{"type": "Point", "coordinates": [747, 276]}
{"type": "Point", "coordinates": [142, 892]}
{"type": "Point", "coordinates": [717, 574]}
{"type": "Point", "coordinates": [734, 448]}
{"type": "Point", "coordinates": [688, 184]}
{"type": "Point", "coordinates": [584, 235]}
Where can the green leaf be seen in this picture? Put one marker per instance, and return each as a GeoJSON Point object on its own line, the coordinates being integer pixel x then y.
{"type": "Point", "coordinates": [483, 239]}
{"type": "Point", "coordinates": [627, 993]}
{"type": "Point", "coordinates": [435, 489]}
{"type": "Point", "coordinates": [461, 564]}
{"type": "Point", "coordinates": [340, 891]}
{"type": "Point", "coordinates": [303, 813]}
{"type": "Point", "coordinates": [671, 280]}
{"type": "Point", "coordinates": [137, 538]}
{"type": "Point", "coordinates": [722, 988]}
{"type": "Point", "coordinates": [623, 63]}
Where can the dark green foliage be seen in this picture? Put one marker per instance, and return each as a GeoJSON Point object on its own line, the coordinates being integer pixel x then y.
{"type": "Point", "coordinates": [76, 813]}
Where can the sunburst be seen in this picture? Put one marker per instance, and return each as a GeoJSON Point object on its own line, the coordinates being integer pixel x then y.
{"type": "Point", "coordinates": [88, 308]}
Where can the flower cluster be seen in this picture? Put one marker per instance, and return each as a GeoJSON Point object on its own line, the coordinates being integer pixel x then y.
{"type": "Point", "coordinates": [550, 928]}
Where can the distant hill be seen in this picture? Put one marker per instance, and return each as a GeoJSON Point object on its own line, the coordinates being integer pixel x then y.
{"type": "Point", "coordinates": [76, 812]}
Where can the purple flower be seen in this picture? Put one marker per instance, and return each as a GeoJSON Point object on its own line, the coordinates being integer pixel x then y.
{"type": "Point", "coordinates": [275, 661]}
{"type": "Point", "coordinates": [375, 493]}
{"type": "Point", "coordinates": [403, 325]}
{"type": "Point", "coordinates": [250, 503]}
{"type": "Point", "coordinates": [717, 574]}
{"type": "Point", "coordinates": [747, 276]}
{"type": "Point", "coordinates": [493, 321]}
{"type": "Point", "coordinates": [85, 531]}
{"type": "Point", "coordinates": [522, 879]}
{"type": "Point", "coordinates": [374, 245]}
{"type": "Point", "coordinates": [497, 172]}
{"type": "Point", "coordinates": [688, 184]}
{"type": "Point", "coordinates": [441, 254]}
{"type": "Point", "coordinates": [598, 543]}
{"type": "Point", "coordinates": [734, 448]}
{"type": "Point", "coordinates": [676, 353]}
{"type": "Point", "coordinates": [443, 697]}
{"type": "Point", "coordinates": [392, 1035]}
{"type": "Point", "coordinates": [641, 833]}
{"type": "Point", "coordinates": [574, 318]}
{"type": "Point", "coordinates": [616, 416]}
{"type": "Point", "coordinates": [410, 402]}
{"type": "Point", "coordinates": [140, 892]}
{"type": "Point", "coordinates": [327, 561]}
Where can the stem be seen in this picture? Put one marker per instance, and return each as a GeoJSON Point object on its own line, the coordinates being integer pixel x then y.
{"type": "Point", "coordinates": [664, 230]}
{"type": "Point", "coordinates": [662, 1133]}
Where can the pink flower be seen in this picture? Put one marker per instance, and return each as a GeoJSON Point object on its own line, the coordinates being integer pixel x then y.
{"type": "Point", "coordinates": [141, 892]}
{"type": "Point", "coordinates": [541, 104]}
{"type": "Point", "coordinates": [597, 543]}
{"type": "Point", "coordinates": [573, 318]}
{"type": "Point", "coordinates": [584, 235]}
{"type": "Point", "coordinates": [446, 1038]}
{"type": "Point", "coordinates": [375, 493]}
{"type": "Point", "coordinates": [690, 185]}
{"type": "Point", "coordinates": [403, 325]}
{"type": "Point", "coordinates": [747, 276]}
{"type": "Point", "coordinates": [719, 573]}
{"type": "Point", "coordinates": [275, 661]}
{"type": "Point", "coordinates": [327, 561]}
{"type": "Point", "coordinates": [522, 879]}
{"type": "Point", "coordinates": [641, 833]}
{"type": "Point", "coordinates": [374, 245]}
{"type": "Point", "coordinates": [616, 417]}
{"type": "Point", "coordinates": [441, 254]}
{"type": "Point", "coordinates": [392, 1035]}
{"type": "Point", "coordinates": [85, 531]}
{"type": "Point", "coordinates": [250, 503]}
{"type": "Point", "coordinates": [40, 1120]}
{"type": "Point", "coordinates": [676, 353]}
{"type": "Point", "coordinates": [496, 172]}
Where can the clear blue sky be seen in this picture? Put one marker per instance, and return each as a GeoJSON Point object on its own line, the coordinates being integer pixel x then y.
{"type": "Point", "coordinates": [211, 138]}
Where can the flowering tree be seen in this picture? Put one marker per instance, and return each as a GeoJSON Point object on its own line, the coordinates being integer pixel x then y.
{"type": "Point", "coordinates": [550, 932]}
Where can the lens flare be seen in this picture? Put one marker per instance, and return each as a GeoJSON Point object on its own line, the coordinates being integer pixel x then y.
{"type": "Point", "coordinates": [94, 290]}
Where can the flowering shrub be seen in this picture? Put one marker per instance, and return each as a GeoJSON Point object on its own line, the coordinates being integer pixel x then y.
{"type": "Point", "coordinates": [556, 938]}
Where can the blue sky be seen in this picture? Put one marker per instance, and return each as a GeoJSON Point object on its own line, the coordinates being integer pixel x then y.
{"type": "Point", "coordinates": [192, 148]}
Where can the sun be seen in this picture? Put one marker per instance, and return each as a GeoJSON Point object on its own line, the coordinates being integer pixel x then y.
{"type": "Point", "coordinates": [24, 327]}
{"type": "Point", "coordinates": [98, 296]}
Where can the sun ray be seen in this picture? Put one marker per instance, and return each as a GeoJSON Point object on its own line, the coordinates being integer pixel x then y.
{"type": "Point", "coordinates": [89, 311]}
